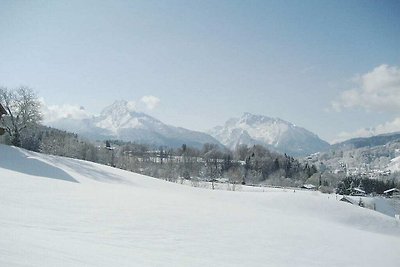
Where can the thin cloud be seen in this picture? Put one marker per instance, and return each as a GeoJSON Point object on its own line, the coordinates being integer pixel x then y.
{"type": "Point", "coordinates": [151, 102]}
{"type": "Point", "coordinates": [56, 112]}
{"type": "Point", "coordinates": [378, 90]}
{"type": "Point", "coordinates": [387, 127]}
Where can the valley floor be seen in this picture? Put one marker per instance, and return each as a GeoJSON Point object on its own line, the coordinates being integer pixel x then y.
{"type": "Point", "coordinates": [56, 211]}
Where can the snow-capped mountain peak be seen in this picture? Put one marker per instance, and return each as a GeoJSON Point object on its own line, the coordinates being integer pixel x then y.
{"type": "Point", "coordinates": [121, 115]}
{"type": "Point", "coordinates": [122, 121]}
{"type": "Point", "coordinates": [118, 107]}
{"type": "Point", "coordinates": [274, 133]}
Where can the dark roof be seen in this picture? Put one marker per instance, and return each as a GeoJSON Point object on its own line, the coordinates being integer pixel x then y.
{"type": "Point", "coordinates": [309, 186]}
{"type": "Point", "coordinates": [345, 199]}
{"type": "Point", "coordinates": [2, 110]}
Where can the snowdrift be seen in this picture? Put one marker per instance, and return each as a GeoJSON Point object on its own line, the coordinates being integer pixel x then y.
{"type": "Point", "coordinates": [56, 211]}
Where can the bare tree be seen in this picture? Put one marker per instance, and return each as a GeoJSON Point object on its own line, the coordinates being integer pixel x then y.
{"type": "Point", "coordinates": [23, 109]}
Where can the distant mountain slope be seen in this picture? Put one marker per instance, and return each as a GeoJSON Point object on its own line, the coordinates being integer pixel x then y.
{"type": "Point", "coordinates": [372, 141]}
{"type": "Point", "coordinates": [368, 157]}
{"type": "Point", "coordinates": [119, 121]}
{"type": "Point", "coordinates": [394, 164]}
{"type": "Point", "coordinates": [274, 133]}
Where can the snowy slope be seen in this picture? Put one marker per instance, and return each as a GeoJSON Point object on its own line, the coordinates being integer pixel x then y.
{"type": "Point", "coordinates": [394, 164]}
{"type": "Point", "coordinates": [64, 212]}
{"type": "Point", "coordinates": [275, 133]}
{"type": "Point", "coordinates": [120, 121]}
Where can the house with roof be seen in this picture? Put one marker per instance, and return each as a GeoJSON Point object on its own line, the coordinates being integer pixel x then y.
{"type": "Point", "coordinates": [393, 192]}
{"type": "Point", "coordinates": [3, 111]}
{"type": "Point", "coordinates": [356, 191]}
{"type": "Point", "coordinates": [309, 187]}
{"type": "Point", "coordinates": [346, 199]}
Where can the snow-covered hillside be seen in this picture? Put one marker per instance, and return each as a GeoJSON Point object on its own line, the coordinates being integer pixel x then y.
{"type": "Point", "coordinates": [275, 133]}
{"type": "Point", "coordinates": [394, 164]}
{"type": "Point", "coordinates": [56, 211]}
{"type": "Point", "coordinates": [120, 121]}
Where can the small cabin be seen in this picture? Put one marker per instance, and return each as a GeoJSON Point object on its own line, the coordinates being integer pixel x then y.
{"type": "Point", "coordinates": [2, 112]}
{"type": "Point", "coordinates": [357, 192]}
{"type": "Point", "coordinates": [309, 187]}
{"type": "Point", "coordinates": [393, 192]}
{"type": "Point", "coordinates": [346, 199]}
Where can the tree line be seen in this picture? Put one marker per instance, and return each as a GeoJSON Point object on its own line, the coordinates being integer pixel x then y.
{"type": "Point", "coordinates": [370, 186]}
{"type": "Point", "coordinates": [245, 165]}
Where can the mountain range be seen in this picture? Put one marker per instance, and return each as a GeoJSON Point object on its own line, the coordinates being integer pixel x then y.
{"type": "Point", "coordinates": [377, 140]}
{"type": "Point", "coordinates": [119, 121]}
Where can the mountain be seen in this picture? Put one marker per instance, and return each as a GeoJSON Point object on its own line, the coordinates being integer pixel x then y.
{"type": "Point", "coordinates": [120, 121]}
{"type": "Point", "coordinates": [367, 156]}
{"type": "Point", "coordinates": [273, 133]}
{"type": "Point", "coordinates": [377, 140]}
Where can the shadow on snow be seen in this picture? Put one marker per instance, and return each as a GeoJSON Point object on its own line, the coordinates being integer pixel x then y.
{"type": "Point", "coordinates": [90, 171]}
{"type": "Point", "coordinates": [16, 160]}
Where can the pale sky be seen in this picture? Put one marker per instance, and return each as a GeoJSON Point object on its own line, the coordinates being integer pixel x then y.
{"type": "Point", "coordinates": [332, 67]}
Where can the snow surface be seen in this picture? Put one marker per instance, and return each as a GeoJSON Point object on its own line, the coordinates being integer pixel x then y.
{"type": "Point", "coordinates": [394, 164]}
{"type": "Point", "coordinates": [56, 211]}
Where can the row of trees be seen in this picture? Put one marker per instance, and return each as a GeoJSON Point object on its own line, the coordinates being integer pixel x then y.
{"type": "Point", "coordinates": [250, 165]}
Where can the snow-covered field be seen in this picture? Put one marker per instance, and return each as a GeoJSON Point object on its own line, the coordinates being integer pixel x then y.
{"type": "Point", "coordinates": [63, 212]}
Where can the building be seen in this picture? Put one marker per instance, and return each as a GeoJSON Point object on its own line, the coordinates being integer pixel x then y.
{"type": "Point", "coordinates": [393, 192]}
{"type": "Point", "coordinates": [2, 112]}
{"type": "Point", "coordinates": [309, 187]}
{"type": "Point", "coordinates": [346, 199]}
{"type": "Point", "coordinates": [357, 192]}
